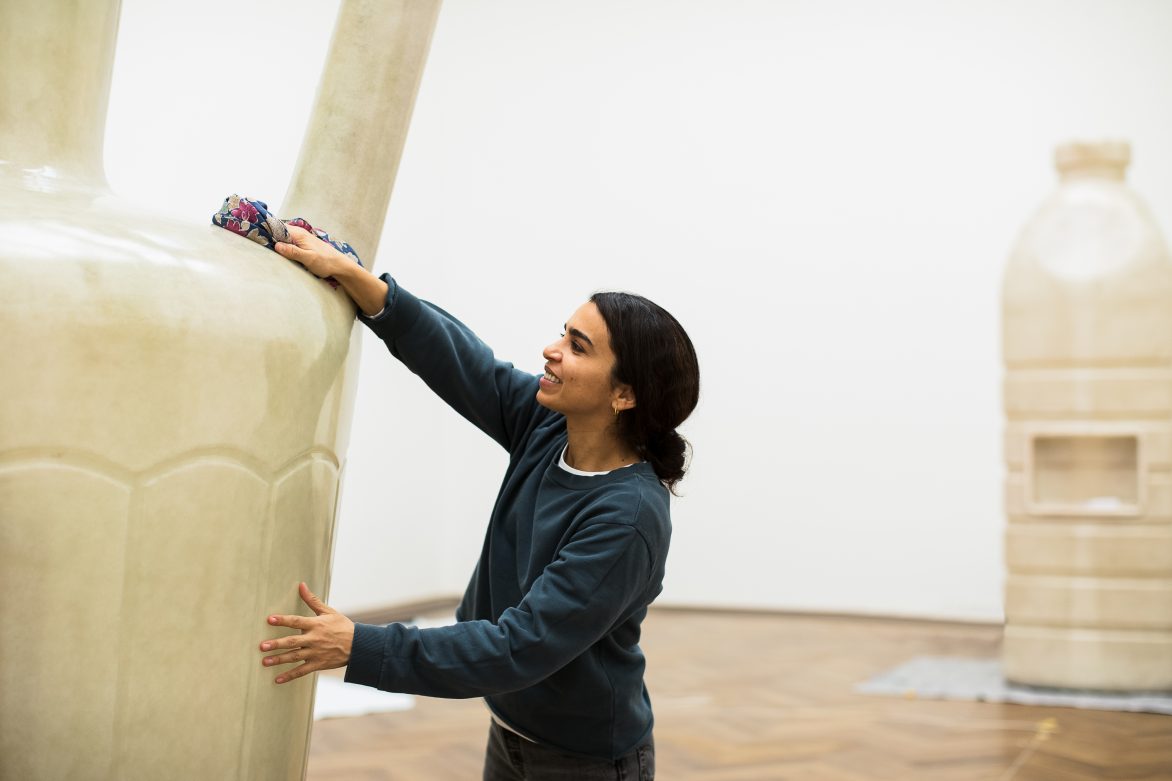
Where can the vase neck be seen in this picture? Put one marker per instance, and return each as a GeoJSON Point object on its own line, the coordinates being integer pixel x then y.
{"type": "Point", "coordinates": [55, 63]}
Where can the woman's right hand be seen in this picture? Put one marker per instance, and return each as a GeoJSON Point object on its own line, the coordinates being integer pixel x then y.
{"type": "Point", "coordinates": [318, 257]}
{"type": "Point", "coordinates": [368, 292]}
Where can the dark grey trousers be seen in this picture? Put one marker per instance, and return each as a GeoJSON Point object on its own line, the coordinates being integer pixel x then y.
{"type": "Point", "coordinates": [510, 757]}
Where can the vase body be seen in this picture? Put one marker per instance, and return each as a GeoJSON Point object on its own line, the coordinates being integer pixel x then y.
{"type": "Point", "coordinates": [172, 440]}
{"type": "Point", "coordinates": [1087, 345]}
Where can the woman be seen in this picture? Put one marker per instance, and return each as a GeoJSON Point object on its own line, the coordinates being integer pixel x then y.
{"type": "Point", "coordinates": [548, 628]}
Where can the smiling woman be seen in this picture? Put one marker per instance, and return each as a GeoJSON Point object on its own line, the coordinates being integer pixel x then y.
{"type": "Point", "coordinates": [647, 357]}
{"type": "Point", "coordinates": [548, 629]}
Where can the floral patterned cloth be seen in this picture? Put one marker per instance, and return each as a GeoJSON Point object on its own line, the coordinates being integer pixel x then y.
{"type": "Point", "coordinates": [252, 220]}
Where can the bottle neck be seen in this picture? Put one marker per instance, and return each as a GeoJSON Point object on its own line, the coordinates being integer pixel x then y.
{"type": "Point", "coordinates": [56, 58]}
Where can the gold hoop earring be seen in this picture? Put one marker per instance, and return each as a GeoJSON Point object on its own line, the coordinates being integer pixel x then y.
{"type": "Point", "coordinates": [616, 413]}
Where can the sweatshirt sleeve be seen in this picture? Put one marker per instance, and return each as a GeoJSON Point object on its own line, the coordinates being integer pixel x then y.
{"type": "Point", "coordinates": [461, 369]}
{"type": "Point", "coordinates": [598, 577]}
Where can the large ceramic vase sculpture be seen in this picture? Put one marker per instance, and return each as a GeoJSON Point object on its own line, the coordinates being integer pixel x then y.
{"type": "Point", "coordinates": [1087, 340]}
{"type": "Point", "coordinates": [174, 414]}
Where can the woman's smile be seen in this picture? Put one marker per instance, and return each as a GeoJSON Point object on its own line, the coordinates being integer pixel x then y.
{"type": "Point", "coordinates": [550, 378]}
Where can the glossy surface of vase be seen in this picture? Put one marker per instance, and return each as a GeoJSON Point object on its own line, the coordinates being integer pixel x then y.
{"type": "Point", "coordinates": [175, 420]}
{"type": "Point", "coordinates": [1087, 343]}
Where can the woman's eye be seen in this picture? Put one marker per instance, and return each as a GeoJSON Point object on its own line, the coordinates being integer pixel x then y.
{"type": "Point", "coordinates": [573, 344]}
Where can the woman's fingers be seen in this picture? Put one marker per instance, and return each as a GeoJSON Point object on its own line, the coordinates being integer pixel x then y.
{"type": "Point", "coordinates": [298, 671]}
{"type": "Point", "coordinates": [298, 655]}
{"type": "Point", "coordinates": [306, 241]}
{"type": "Point", "coordinates": [303, 238]}
{"type": "Point", "coordinates": [284, 643]}
{"type": "Point", "coordinates": [295, 253]}
{"type": "Point", "coordinates": [319, 258]}
{"type": "Point", "coordinates": [285, 249]}
{"type": "Point", "coordinates": [301, 244]}
{"type": "Point", "coordinates": [314, 602]}
{"type": "Point", "coordinates": [293, 622]}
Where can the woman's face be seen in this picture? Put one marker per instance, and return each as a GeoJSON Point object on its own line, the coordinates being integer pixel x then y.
{"type": "Point", "coordinates": [577, 381]}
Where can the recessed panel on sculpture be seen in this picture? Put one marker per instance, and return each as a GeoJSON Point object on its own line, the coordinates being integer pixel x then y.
{"type": "Point", "coordinates": [62, 533]}
{"type": "Point", "coordinates": [1155, 438]}
{"type": "Point", "coordinates": [299, 549]}
{"type": "Point", "coordinates": [189, 620]}
{"type": "Point", "coordinates": [333, 423]}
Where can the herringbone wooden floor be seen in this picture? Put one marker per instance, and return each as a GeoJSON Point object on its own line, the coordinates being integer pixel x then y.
{"type": "Point", "coordinates": [756, 697]}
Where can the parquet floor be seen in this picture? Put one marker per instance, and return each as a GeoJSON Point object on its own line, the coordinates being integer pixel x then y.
{"type": "Point", "coordinates": [757, 697]}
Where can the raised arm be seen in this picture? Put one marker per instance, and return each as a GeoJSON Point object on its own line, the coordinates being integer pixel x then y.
{"type": "Point", "coordinates": [496, 397]}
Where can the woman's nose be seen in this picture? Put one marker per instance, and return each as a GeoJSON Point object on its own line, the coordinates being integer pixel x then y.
{"type": "Point", "coordinates": [551, 353]}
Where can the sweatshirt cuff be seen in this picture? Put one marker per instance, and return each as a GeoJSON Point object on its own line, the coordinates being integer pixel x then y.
{"type": "Point", "coordinates": [399, 312]}
{"type": "Point", "coordinates": [366, 655]}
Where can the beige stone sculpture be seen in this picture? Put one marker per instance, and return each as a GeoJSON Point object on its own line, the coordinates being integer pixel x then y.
{"type": "Point", "coordinates": [174, 414]}
{"type": "Point", "coordinates": [1087, 342]}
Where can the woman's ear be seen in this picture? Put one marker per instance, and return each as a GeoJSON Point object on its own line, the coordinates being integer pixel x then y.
{"type": "Point", "coordinates": [623, 398]}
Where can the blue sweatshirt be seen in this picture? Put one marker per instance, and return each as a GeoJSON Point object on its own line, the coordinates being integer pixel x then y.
{"type": "Point", "coordinates": [548, 629]}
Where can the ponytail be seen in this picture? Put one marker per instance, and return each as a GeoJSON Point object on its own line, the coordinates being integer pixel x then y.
{"type": "Point", "coordinates": [667, 452]}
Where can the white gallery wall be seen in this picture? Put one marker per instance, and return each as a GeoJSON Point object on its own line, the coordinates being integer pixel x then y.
{"type": "Point", "coordinates": [824, 193]}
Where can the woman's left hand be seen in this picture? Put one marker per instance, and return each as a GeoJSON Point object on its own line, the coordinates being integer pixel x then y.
{"type": "Point", "coordinates": [324, 642]}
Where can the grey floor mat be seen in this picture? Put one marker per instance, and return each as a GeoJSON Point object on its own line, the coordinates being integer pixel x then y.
{"type": "Point", "coordinates": [958, 678]}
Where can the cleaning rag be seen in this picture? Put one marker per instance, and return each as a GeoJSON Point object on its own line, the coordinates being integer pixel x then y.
{"type": "Point", "coordinates": [253, 220]}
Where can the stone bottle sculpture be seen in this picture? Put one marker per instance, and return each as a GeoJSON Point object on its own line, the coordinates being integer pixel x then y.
{"type": "Point", "coordinates": [1087, 344]}
{"type": "Point", "coordinates": [174, 416]}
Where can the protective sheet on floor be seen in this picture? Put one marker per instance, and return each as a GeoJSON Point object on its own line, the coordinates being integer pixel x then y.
{"type": "Point", "coordinates": [336, 698]}
{"type": "Point", "coordinates": [958, 678]}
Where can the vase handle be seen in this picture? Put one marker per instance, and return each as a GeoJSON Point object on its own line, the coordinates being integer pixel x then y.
{"type": "Point", "coordinates": [350, 154]}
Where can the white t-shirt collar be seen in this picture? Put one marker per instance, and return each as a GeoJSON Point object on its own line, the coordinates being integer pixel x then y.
{"type": "Point", "coordinates": [562, 463]}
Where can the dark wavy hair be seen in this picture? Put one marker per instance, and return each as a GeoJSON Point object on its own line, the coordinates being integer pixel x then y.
{"type": "Point", "coordinates": [653, 355]}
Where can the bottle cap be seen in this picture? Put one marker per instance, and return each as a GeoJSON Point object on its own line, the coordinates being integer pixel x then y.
{"type": "Point", "coordinates": [1110, 157]}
